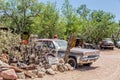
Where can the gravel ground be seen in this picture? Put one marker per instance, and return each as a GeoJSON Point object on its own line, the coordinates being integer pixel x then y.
{"type": "Point", "coordinates": [107, 67]}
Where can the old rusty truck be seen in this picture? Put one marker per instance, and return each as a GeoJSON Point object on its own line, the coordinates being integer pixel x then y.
{"type": "Point", "coordinates": [77, 56]}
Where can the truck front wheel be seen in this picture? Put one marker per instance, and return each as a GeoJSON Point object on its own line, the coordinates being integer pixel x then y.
{"type": "Point", "coordinates": [72, 62]}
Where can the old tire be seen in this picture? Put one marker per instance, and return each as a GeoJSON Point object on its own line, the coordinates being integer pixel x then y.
{"type": "Point", "coordinates": [72, 62]}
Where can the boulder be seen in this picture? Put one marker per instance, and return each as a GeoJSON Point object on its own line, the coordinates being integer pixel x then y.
{"type": "Point", "coordinates": [3, 69]}
{"type": "Point", "coordinates": [9, 74]}
{"type": "Point", "coordinates": [65, 68]}
{"type": "Point", "coordinates": [72, 69]}
{"type": "Point", "coordinates": [61, 68]}
{"type": "Point", "coordinates": [21, 75]}
{"type": "Point", "coordinates": [1, 78]}
{"type": "Point", "coordinates": [40, 74]}
{"type": "Point", "coordinates": [50, 71]}
{"type": "Point", "coordinates": [43, 70]}
{"type": "Point", "coordinates": [2, 64]}
{"type": "Point", "coordinates": [34, 71]}
{"type": "Point", "coordinates": [61, 60]}
{"type": "Point", "coordinates": [54, 67]}
{"type": "Point", "coordinates": [69, 66]}
{"type": "Point", "coordinates": [38, 68]}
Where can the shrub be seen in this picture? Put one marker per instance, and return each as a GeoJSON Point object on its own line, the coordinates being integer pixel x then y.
{"type": "Point", "coordinates": [9, 41]}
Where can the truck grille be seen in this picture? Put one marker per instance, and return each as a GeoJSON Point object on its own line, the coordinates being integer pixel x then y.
{"type": "Point", "coordinates": [92, 56]}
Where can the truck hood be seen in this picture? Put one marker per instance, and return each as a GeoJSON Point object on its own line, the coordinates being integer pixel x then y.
{"type": "Point", "coordinates": [84, 51]}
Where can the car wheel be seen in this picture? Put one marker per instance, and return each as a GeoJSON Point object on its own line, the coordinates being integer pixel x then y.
{"type": "Point", "coordinates": [101, 47]}
{"type": "Point", "coordinates": [72, 62]}
{"type": "Point", "coordinates": [111, 48]}
{"type": "Point", "coordinates": [88, 64]}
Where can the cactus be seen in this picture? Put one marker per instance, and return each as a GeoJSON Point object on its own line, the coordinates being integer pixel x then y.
{"type": "Point", "coordinates": [9, 41]}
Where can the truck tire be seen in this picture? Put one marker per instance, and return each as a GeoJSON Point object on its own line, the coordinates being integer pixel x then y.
{"type": "Point", "coordinates": [72, 62]}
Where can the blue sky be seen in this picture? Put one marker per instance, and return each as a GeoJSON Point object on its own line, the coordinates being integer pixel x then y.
{"type": "Point", "coordinates": [112, 6]}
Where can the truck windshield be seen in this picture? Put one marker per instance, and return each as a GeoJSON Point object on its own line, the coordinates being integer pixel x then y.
{"type": "Point", "coordinates": [61, 44]}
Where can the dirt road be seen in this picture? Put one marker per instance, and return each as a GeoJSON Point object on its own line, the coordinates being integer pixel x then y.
{"type": "Point", "coordinates": [106, 68]}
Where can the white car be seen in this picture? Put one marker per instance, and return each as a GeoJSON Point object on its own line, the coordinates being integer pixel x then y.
{"type": "Point", "coordinates": [118, 43]}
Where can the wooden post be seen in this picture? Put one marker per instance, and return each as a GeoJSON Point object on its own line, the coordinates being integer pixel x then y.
{"type": "Point", "coordinates": [71, 44]}
{"type": "Point", "coordinates": [67, 53]}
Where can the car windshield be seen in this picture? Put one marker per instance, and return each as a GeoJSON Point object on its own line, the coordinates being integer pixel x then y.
{"type": "Point", "coordinates": [107, 39]}
{"type": "Point", "coordinates": [118, 41]}
{"type": "Point", "coordinates": [61, 44]}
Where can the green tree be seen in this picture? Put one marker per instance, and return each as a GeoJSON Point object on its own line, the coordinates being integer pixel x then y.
{"type": "Point", "coordinates": [71, 18]}
{"type": "Point", "coordinates": [83, 11]}
{"type": "Point", "coordinates": [18, 14]}
{"type": "Point", "coordinates": [101, 25]}
{"type": "Point", "coordinates": [45, 24]}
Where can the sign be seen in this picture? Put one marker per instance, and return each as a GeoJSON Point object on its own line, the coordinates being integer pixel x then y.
{"type": "Point", "coordinates": [72, 41]}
